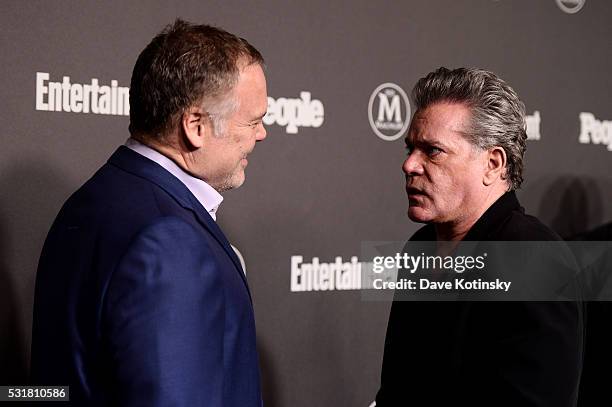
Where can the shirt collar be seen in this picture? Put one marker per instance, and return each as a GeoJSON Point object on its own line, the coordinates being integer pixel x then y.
{"type": "Point", "coordinates": [204, 193]}
{"type": "Point", "coordinates": [494, 217]}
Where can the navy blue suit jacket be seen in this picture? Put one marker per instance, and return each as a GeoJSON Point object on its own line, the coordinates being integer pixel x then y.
{"type": "Point", "coordinates": [140, 300]}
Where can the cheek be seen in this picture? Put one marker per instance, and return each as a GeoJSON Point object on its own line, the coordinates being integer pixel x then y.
{"type": "Point", "coordinates": [244, 143]}
{"type": "Point", "coordinates": [442, 181]}
{"type": "Point", "coordinates": [447, 188]}
{"type": "Point", "coordinates": [467, 185]}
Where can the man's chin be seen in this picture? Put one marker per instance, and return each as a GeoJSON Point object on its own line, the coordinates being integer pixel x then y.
{"type": "Point", "coordinates": [238, 180]}
{"type": "Point", "coordinates": [232, 182]}
{"type": "Point", "coordinates": [418, 214]}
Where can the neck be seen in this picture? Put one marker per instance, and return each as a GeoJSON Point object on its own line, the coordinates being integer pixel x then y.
{"type": "Point", "coordinates": [177, 153]}
{"type": "Point", "coordinates": [452, 232]}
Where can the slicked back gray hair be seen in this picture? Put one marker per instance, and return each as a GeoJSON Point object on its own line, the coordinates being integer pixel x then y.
{"type": "Point", "coordinates": [498, 115]}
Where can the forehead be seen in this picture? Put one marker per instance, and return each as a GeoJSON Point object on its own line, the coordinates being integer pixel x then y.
{"type": "Point", "coordinates": [439, 122]}
{"type": "Point", "coordinates": [251, 81]}
{"type": "Point", "coordinates": [251, 91]}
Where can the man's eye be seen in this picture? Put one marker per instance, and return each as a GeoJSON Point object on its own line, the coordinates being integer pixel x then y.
{"type": "Point", "coordinates": [408, 150]}
{"type": "Point", "coordinates": [433, 151]}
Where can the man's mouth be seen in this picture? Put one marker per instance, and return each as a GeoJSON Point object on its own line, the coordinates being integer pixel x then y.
{"type": "Point", "coordinates": [414, 192]}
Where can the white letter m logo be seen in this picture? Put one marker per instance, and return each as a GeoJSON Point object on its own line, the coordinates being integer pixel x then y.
{"type": "Point", "coordinates": [389, 111]}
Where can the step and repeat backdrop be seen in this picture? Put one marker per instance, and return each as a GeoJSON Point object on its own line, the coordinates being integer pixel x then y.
{"type": "Point", "coordinates": [328, 177]}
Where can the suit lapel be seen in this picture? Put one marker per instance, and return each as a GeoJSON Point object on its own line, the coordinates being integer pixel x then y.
{"type": "Point", "coordinates": [141, 166]}
{"type": "Point", "coordinates": [207, 221]}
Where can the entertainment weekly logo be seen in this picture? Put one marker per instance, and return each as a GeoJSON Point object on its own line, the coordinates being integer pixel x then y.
{"type": "Point", "coordinates": [595, 131]}
{"type": "Point", "coordinates": [293, 113]}
{"type": "Point", "coordinates": [71, 97]}
{"type": "Point", "coordinates": [316, 275]}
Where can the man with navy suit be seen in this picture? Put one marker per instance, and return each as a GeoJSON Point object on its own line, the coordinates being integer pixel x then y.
{"type": "Point", "coordinates": [140, 299]}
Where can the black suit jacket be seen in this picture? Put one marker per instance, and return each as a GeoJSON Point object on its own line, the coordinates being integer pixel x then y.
{"type": "Point", "coordinates": [595, 383]}
{"type": "Point", "coordinates": [484, 353]}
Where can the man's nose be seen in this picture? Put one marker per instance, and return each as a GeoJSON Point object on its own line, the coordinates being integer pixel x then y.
{"type": "Point", "coordinates": [413, 165]}
{"type": "Point", "coordinates": [261, 132]}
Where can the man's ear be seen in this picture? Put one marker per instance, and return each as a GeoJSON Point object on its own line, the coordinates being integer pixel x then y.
{"type": "Point", "coordinates": [495, 165]}
{"type": "Point", "coordinates": [195, 124]}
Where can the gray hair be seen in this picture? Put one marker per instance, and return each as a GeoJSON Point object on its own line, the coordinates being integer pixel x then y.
{"type": "Point", "coordinates": [498, 115]}
{"type": "Point", "coordinates": [219, 110]}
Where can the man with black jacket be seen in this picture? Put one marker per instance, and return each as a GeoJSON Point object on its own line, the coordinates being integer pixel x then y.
{"type": "Point", "coordinates": [465, 149]}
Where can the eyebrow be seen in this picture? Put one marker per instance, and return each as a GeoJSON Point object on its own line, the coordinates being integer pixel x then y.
{"type": "Point", "coordinates": [259, 117]}
{"type": "Point", "coordinates": [426, 142]}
